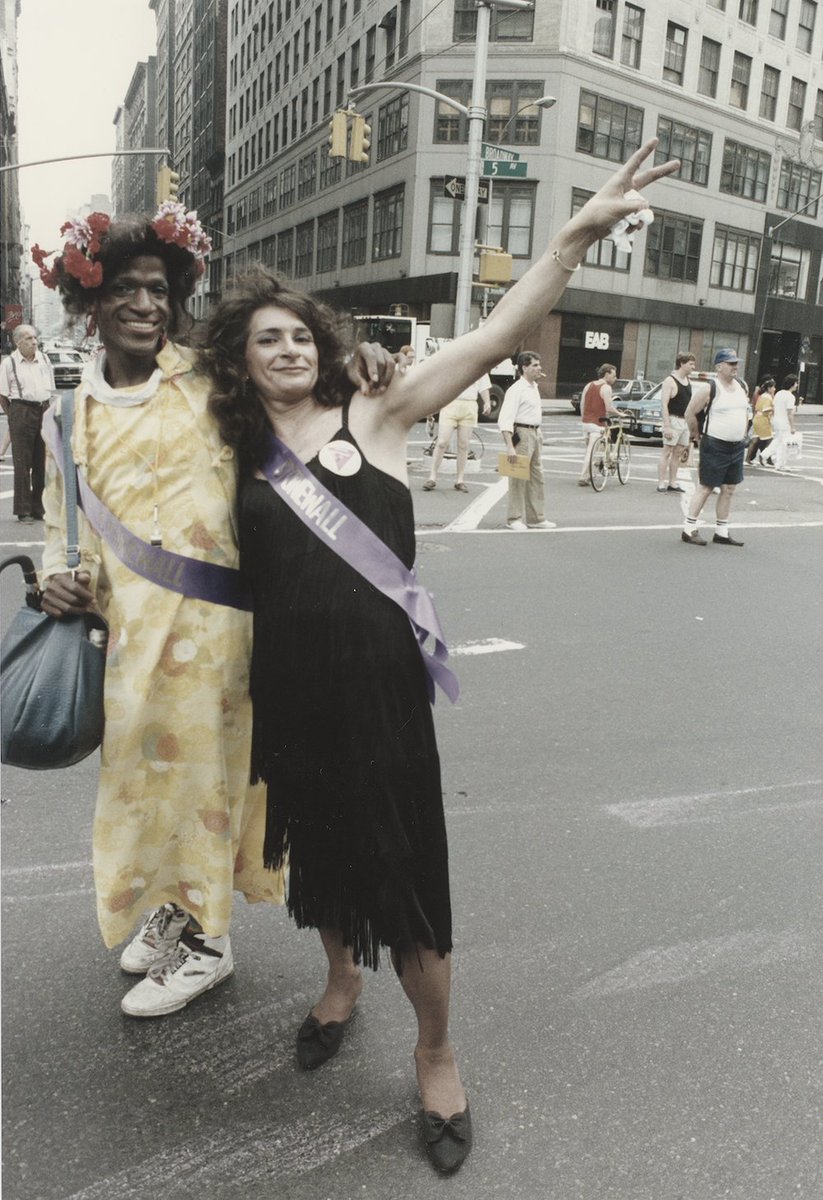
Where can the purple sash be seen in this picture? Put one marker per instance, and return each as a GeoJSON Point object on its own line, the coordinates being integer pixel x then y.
{"type": "Point", "coordinates": [189, 576]}
{"type": "Point", "coordinates": [344, 533]}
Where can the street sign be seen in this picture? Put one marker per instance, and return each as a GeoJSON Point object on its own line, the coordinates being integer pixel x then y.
{"type": "Point", "coordinates": [503, 169]}
{"type": "Point", "coordinates": [490, 152]}
{"type": "Point", "coordinates": [455, 186]}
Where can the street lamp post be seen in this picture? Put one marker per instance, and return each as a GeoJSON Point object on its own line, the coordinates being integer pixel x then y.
{"type": "Point", "coordinates": [477, 121]}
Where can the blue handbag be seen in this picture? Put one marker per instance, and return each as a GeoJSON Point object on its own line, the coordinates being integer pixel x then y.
{"type": "Point", "coordinates": [52, 671]}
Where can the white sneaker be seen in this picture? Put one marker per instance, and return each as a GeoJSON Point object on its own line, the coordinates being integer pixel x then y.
{"type": "Point", "coordinates": [543, 525]}
{"type": "Point", "coordinates": [171, 984]}
{"type": "Point", "coordinates": [156, 937]}
{"type": "Point", "coordinates": [517, 526]}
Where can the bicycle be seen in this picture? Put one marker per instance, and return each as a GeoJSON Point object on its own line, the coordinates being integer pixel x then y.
{"type": "Point", "coordinates": [610, 455]}
{"type": "Point", "coordinates": [476, 443]}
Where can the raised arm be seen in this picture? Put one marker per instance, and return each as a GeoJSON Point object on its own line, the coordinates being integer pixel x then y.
{"type": "Point", "coordinates": [440, 378]}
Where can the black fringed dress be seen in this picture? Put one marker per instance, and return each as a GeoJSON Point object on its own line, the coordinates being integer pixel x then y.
{"type": "Point", "coordinates": [343, 730]}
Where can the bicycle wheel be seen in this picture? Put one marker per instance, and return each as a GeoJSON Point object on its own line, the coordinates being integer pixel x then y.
{"type": "Point", "coordinates": [476, 447]}
{"type": "Point", "coordinates": [598, 466]}
{"type": "Point", "coordinates": [624, 462]}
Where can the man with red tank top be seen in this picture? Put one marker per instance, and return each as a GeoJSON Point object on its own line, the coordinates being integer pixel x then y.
{"type": "Point", "coordinates": [595, 406]}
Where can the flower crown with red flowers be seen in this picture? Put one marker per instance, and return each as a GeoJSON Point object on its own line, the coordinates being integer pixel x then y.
{"type": "Point", "coordinates": [171, 223]}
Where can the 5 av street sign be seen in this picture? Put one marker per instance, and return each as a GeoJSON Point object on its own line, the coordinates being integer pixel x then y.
{"type": "Point", "coordinates": [504, 169]}
{"type": "Point", "coordinates": [455, 186]}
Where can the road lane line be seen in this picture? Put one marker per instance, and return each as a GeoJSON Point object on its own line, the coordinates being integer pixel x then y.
{"type": "Point", "coordinates": [455, 528]}
{"type": "Point", "coordinates": [473, 513]}
{"type": "Point", "coordinates": [732, 954]}
{"type": "Point", "coordinates": [486, 646]}
{"type": "Point", "coordinates": [710, 806]}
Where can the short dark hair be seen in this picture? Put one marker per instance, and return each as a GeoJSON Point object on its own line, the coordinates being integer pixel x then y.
{"type": "Point", "coordinates": [234, 404]}
{"type": "Point", "coordinates": [684, 357]}
{"type": "Point", "coordinates": [605, 368]}
{"type": "Point", "coordinates": [789, 382]}
{"type": "Point", "coordinates": [128, 238]}
{"type": "Point", "coordinates": [524, 359]}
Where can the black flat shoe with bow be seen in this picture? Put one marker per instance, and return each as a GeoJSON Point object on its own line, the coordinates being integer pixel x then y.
{"type": "Point", "coordinates": [448, 1139]}
{"type": "Point", "coordinates": [318, 1043]}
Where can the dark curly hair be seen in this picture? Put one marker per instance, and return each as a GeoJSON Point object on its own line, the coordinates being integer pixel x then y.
{"type": "Point", "coordinates": [128, 238]}
{"type": "Point", "coordinates": [234, 403]}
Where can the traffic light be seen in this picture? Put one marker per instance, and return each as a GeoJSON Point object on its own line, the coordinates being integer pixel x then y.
{"type": "Point", "coordinates": [168, 184]}
{"type": "Point", "coordinates": [338, 134]}
{"type": "Point", "coordinates": [360, 139]}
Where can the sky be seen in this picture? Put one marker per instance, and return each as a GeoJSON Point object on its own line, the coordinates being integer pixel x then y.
{"type": "Point", "coordinates": [75, 63]}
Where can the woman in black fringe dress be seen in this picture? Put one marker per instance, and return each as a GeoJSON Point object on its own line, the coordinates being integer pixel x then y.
{"type": "Point", "coordinates": [343, 731]}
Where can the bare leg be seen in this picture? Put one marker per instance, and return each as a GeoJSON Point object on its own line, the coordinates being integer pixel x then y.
{"type": "Point", "coordinates": [427, 983]}
{"type": "Point", "coordinates": [664, 467]}
{"type": "Point", "coordinates": [464, 434]}
{"type": "Point", "coordinates": [699, 498]}
{"type": "Point", "coordinates": [344, 982]}
{"type": "Point", "coordinates": [438, 453]}
{"type": "Point", "coordinates": [724, 501]}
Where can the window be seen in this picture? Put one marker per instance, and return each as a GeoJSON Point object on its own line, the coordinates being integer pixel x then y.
{"type": "Point", "coordinates": [329, 22]}
{"type": "Point", "coordinates": [818, 116]}
{"type": "Point", "coordinates": [673, 247]}
{"type": "Point", "coordinates": [392, 127]}
{"type": "Point", "coordinates": [797, 102]}
{"type": "Point", "coordinates": [674, 55]}
{"type": "Point", "coordinates": [387, 230]}
{"type": "Point", "coordinates": [745, 171]}
{"type": "Point", "coordinates": [288, 178]}
{"type": "Point", "coordinates": [371, 37]}
{"type": "Point", "coordinates": [354, 64]}
{"type": "Point", "coordinates": [692, 146]}
{"type": "Point", "coordinates": [331, 170]}
{"type": "Point", "coordinates": [741, 76]}
{"type": "Point", "coordinates": [799, 185]}
{"type": "Point", "coordinates": [603, 41]}
{"type": "Point", "coordinates": [340, 93]}
{"type": "Point", "coordinates": [748, 11]}
{"type": "Point", "coordinates": [607, 128]}
{"type": "Point", "coordinates": [449, 124]}
{"type": "Point", "coordinates": [355, 222]}
{"type": "Point", "coordinates": [603, 253]}
{"type": "Point", "coordinates": [444, 220]}
{"type": "Point", "coordinates": [789, 272]}
{"type": "Point", "coordinates": [709, 68]}
{"type": "Point", "coordinates": [304, 249]}
{"type": "Point", "coordinates": [254, 206]}
{"type": "Point", "coordinates": [270, 198]}
{"type": "Point", "coordinates": [511, 26]}
{"type": "Point", "coordinates": [285, 252]}
{"type": "Point", "coordinates": [403, 35]}
{"type": "Point", "coordinates": [511, 118]}
{"type": "Point", "coordinates": [632, 38]}
{"type": "Point", "coordinates": [307, 175]}
{"type": "Point", "coordinates": [327, 242]}
{"type": "Point", "coordinates": [511, 217]}
{"type": "Point", "coordinates": [805, 27]}
{"type": "Point", "coordinates": [768, 93]}
{"type": "Point", "coordinates": [389, 26]}
{"type": "Point", "coordinates": [777, 19]}
{"type": "Point", "coordinates": [735, 255]}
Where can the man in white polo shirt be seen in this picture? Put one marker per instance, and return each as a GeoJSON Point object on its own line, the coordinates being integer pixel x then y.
{"type": "Point", "coordinates": [26, 389]}
{"type": "Point", "coordinates": [521, 414]}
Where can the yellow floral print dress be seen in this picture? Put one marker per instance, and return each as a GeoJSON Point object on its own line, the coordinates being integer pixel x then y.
{"type": "Point", "coordinates": [176, 818]}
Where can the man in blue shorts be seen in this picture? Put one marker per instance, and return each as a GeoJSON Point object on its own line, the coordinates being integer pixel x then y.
{"type": "Point", "coordinates": [722, 446]}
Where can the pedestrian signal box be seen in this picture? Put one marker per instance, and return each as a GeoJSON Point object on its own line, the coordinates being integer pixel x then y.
{"type": "Point", "coordinates": [495, 266]}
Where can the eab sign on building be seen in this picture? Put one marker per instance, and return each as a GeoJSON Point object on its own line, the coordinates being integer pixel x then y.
{"type": "Point", "coordinates": [593, 340]}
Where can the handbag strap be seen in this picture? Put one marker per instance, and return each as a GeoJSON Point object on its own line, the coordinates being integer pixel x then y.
{"type": "Point", "coordinates": [190, 577]}
{"type": "Point", "coordinates": [330, 520]}
{"type": "Point", "coordinates": [70, 484]}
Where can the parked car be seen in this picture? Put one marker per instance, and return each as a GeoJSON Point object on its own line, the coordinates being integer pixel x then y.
{"type": "Point", "coordinates": [622, 389]}
{"type": "Point", "coordinates": [67, 366]}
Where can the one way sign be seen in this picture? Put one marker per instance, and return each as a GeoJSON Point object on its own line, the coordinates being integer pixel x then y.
{"type": "Point", "coordinates": [455, 187]}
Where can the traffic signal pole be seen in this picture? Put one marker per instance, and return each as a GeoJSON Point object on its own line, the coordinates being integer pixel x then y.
{"type": "Point", "coordinates": [41, 162]}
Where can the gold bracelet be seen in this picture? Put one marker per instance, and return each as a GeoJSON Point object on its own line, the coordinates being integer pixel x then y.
{"type": "Point", "coordinates": [560, 263]}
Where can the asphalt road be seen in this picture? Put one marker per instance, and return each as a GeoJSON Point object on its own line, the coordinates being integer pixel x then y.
{"type": "Point", "coordinates": [632, 782]}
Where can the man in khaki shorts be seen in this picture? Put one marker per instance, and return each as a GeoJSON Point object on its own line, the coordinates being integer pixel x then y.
{"type": "Point", "coordinates": [675, 394]}
{"type": "Point", "coordinates": [459, 414]}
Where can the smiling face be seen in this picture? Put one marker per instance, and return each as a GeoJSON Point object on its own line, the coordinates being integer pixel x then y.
{"type": "Point", "coordinates": [281, 355]}
{"type": "Point", "coordinates": [133, 309]}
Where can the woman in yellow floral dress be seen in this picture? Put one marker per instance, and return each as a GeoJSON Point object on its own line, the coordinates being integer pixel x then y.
{"type": "Point", "coordinates": [177, 827]}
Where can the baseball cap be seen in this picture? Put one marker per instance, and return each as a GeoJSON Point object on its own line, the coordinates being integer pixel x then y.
{"type": "Point", "coordinates": [726, 355]}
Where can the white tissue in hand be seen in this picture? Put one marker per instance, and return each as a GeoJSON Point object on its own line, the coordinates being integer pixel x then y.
{"type": "Point", "coordinates": [622, 234]}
